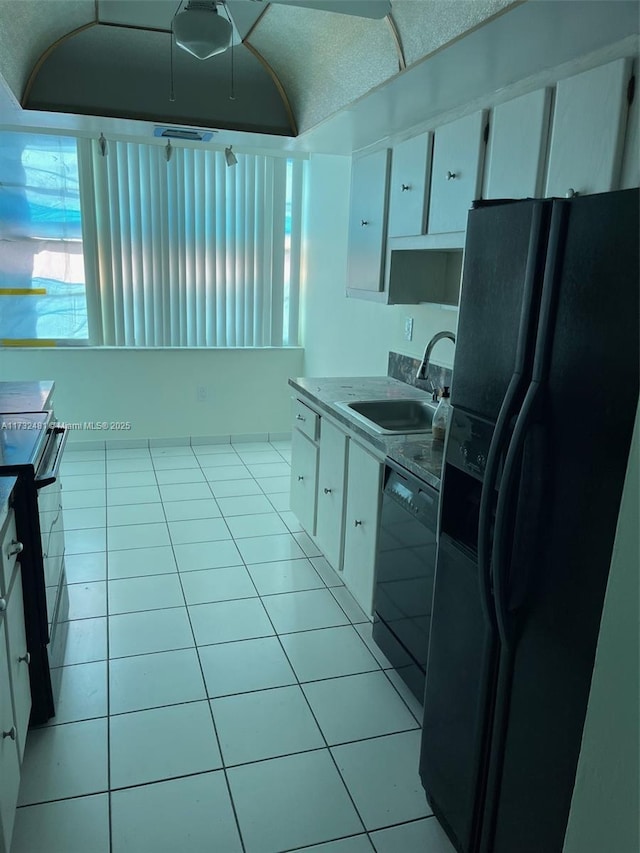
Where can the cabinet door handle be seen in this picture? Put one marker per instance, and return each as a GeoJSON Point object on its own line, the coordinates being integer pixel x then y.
{"type": "Point", "coordinates": [328, 491]}
{"type": "Point", "coordinates": [571, 193]}
{"type": "Point", "coordinates": [300, 418]}
{"type": "Point", "coordinates": [11, 733]}
{"type": "Point", "coordinates": [15, 548]}
{"type": "Point", "coordinates": [25, 658]}
{"type": "Point", "coordinates": [3, 605]}
{"type": "Point", "coordinates": [406, 187]}
{"type": "Point", "coordinates": [364, 222]}
{"type": "Point", "coordinates": [300, 477]}
{"type": "Point", "coordinates": [451, 176]}
{"type": "Point", "coordinates": [357, 523]}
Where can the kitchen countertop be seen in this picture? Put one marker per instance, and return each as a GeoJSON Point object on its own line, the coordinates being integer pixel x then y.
{"type": "Point", "coordinates": [27, 396]}
{"type": "Point", "coordinates": [415, 452]}
{"type": "Point", "coordinates": [6, 487]}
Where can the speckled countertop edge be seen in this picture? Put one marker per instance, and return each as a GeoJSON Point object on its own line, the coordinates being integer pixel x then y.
{"type": "Point", "coordinates": [6, 487]}
{"type": "Point", "coordinates": [25, 396]}
{"type": "Point", "coordinates": [417, 453]}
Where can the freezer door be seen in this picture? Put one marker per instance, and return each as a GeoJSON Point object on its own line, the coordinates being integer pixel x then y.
{"type": "Point", "coordinates": [503, 260]}
{"type": "Point", "coordinates": [588, 340]}
{"type": "Point", "coordinates": [458, 697]}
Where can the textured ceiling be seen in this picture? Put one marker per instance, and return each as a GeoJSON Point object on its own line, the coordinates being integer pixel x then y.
{"type": "Point", "coordinates": [323, 61]}
{"type": "Point", "coordinates": [426, 25]}
{"type": "Point", "coordinates": [29, 27]}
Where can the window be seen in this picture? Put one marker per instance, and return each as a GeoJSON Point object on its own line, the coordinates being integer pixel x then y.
{"type": "Point", "coordinates": [42, 279]}
{"type": "Point", "coordinates": [185, 252]}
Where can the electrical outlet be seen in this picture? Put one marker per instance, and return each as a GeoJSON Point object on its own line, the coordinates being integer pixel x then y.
{"type": "Point", "coordinates": [408, 328]}
{"type": "Point", "coordinates": [201, 393]}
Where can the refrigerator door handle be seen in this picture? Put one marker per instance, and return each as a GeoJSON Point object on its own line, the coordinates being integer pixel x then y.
{"type": "Point", "coordinates": [508, 409]}
{"type": "Point", "coordinates": [496, 448]}
{"type": "Point", "coordinates": [505, 509]}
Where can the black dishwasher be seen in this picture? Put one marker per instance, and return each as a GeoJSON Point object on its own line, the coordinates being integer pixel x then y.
{"type": "Point", "coordinates": [405, 570]}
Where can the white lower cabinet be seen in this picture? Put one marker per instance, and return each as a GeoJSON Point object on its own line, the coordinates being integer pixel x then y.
{"type": "Point", "coordinates": [15, 691]}
{"type": "Point", "coordinates": [18, 662]}
{"type": "Point", "coordinates": [364, 479]}
{"type": "Point", "coordinates": [9, 760]}
{"type": "Point", "coordinates": [336, 496]}
{"type": "Point", "coordinates": [331, 491]}
{"type": "Point", "coordinates": [304, 479]}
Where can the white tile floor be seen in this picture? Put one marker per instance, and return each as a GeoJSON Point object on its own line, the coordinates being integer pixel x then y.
{"type": "Point", "coordinates": [221, 691]}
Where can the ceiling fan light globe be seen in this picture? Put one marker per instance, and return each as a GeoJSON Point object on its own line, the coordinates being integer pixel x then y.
{"type": "Point", "coordinates": [202, 33]}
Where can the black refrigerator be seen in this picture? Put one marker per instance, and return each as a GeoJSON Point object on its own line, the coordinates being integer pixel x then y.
{"type": "Point", "coordinates": [544, 395]}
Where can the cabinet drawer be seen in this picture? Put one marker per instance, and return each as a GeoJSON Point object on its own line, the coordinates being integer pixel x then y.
{"type": "Point", "coordinates": [9, 551]}
{"type": "Point", "coordinates": [305, 419]}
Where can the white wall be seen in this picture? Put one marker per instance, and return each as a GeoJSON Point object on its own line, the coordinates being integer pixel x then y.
{"type": "Point", "coordinates": [156, 390]}
{"type": "Point", "coordinates": [604, 809]}
{"type": "Point", "coordinates": [352, 337]}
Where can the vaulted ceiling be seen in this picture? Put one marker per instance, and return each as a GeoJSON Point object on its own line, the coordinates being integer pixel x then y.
{"type": "Point", "coordinates": [292, 67]}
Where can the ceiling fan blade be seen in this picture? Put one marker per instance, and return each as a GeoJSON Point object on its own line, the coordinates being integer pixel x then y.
{"type": "Point", "coordinates": [357, 8]}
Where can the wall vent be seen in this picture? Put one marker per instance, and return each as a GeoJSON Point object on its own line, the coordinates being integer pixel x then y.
{"type": "Point", "coordinates": [184, 133]}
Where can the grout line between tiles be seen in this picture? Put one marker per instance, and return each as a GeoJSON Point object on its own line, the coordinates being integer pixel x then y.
{"type": "Point", "coordinates": [315, 719]}
{"type": "Point", "coordinates": [297, 682]}
{"type": "Point", "coordinates": [106, 559]}
{"type": "Point", "coordinates": [204, 684]}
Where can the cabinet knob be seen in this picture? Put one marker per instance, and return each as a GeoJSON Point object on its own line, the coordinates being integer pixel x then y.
{"type": "Point", "coordinates": [357, 523]}
{"type": "Point", "coordinates": [300, 477]}
{"type": "Point", "coordinates": [406, 187]}
{"type": "Point", "coordinates": [3, 605]}
{"type": "Point", "coordinates": [15, 548]}
{"type": "Point", "coordinates": [328, 491]}
{"type": "Point", "coordinates": [11, 733]}
{"type": "Point", "coordinates": [451, 175]}
{"type": "Point", "coordinates": [25, 658]}
{"type": "Point", "coordinates": [571, 193]}
{"type": "Point", "coordinates": [300, 418]}
{"type": "Point", "coordinates": [364, 222]}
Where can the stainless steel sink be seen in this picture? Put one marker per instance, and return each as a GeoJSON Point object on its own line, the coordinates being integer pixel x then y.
{"type": "Point", "coordinates": [392, 417]}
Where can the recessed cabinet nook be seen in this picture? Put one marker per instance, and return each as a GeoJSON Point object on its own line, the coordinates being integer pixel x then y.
{"type": "Point", "coordinates": [409, 203]}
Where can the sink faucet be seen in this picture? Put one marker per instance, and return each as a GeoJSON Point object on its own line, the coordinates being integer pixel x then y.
{"type": "Point", "coordinates": [423, 370]}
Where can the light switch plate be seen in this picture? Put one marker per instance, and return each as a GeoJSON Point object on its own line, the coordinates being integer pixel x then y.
{"type": "Point", "coordinates": [408, 328]}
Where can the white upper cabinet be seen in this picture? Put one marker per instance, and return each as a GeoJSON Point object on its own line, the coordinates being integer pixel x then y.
{"type": "Point", "coordinates": [631, 158]}
{"type": "Point", "coordinates": [409, 187]}
{"type": "Point", "coordinates": [456, 174]}
{"type": "Point", "coordinates": [588, 129]}
{"type": "Point", "coordinates": [517, 146]}
{"type": "Point", "coordinates": [368, 219]}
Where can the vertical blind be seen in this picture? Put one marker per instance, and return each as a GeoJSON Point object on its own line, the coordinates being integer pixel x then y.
{"type": "Point", "coordinates": [193, 253]}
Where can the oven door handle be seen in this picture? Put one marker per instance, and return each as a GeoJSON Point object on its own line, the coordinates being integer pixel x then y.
{"type": "Point", "coordinates": [51, 475]}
